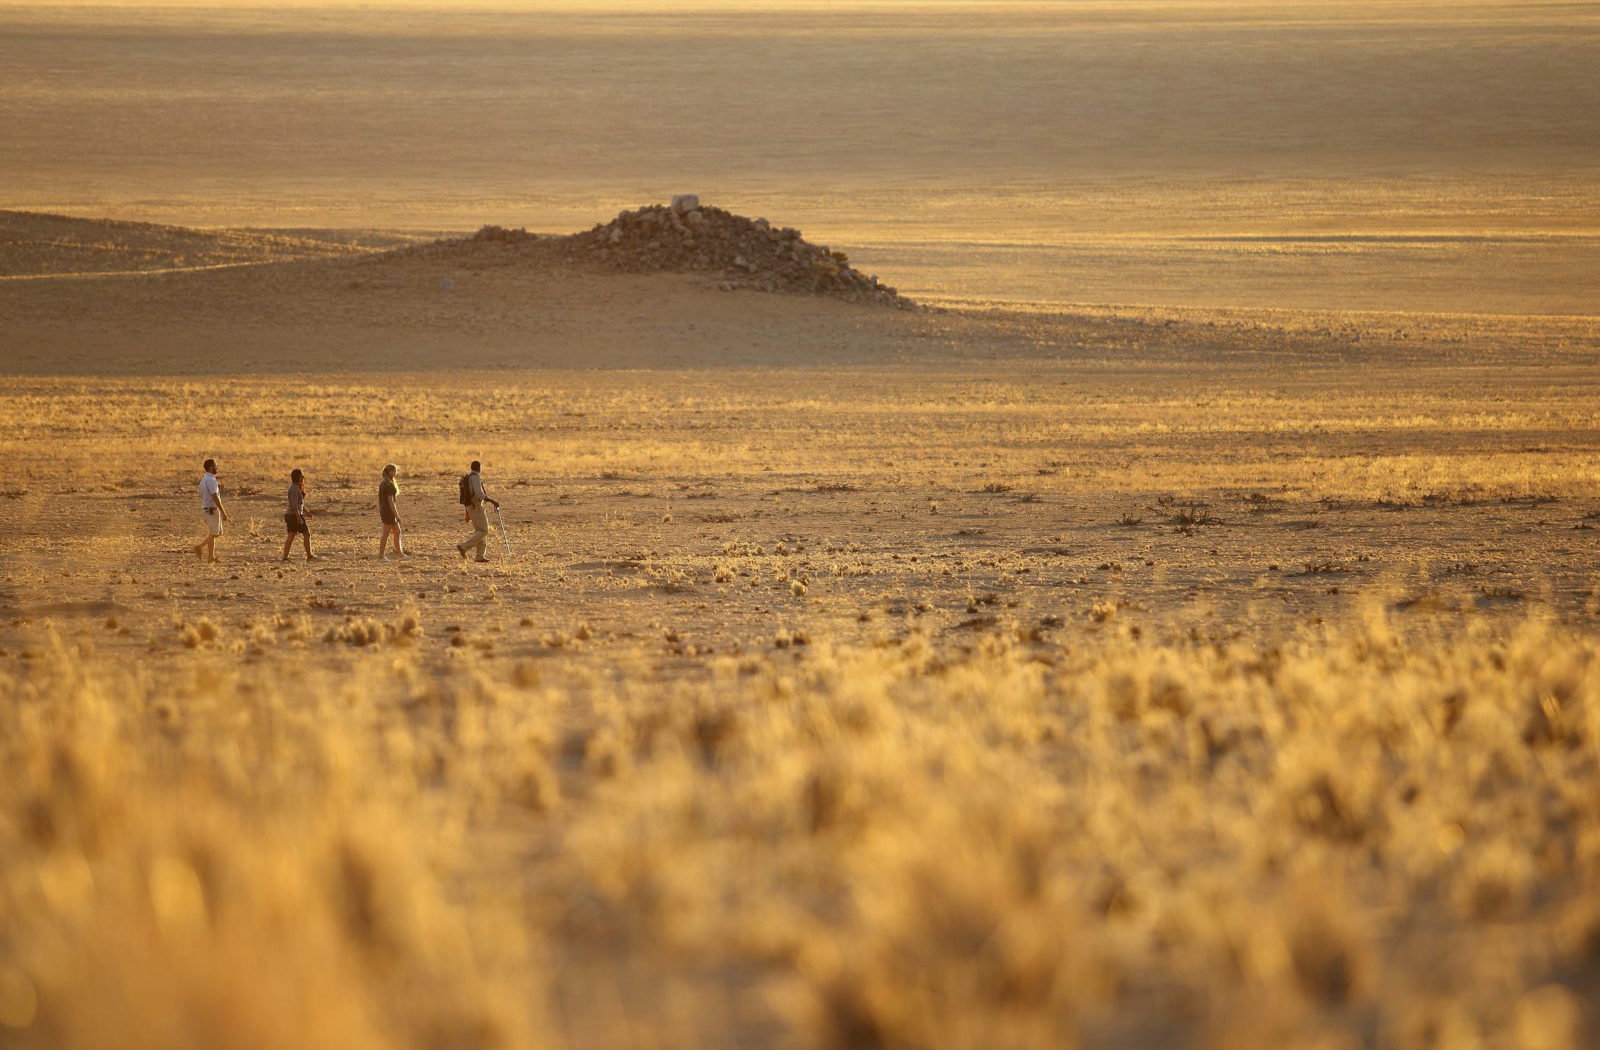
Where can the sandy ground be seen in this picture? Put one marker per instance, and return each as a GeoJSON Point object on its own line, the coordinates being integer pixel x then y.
{"type": "Point", "coordinates": [829, 634]}
{"type": "Point", "coordinates": [649, 428]}
{"type": "Point", "coordinates": [316, 301]}
{"type": "Point", "coordinates": [691, 502]}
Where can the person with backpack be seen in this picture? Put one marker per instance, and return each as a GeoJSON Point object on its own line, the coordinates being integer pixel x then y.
{"type": "Point", "coordinates": [211, 513]}
{"type": "Point", "coordinates": [295, 516]}
{"type": "Point", "coordinates": [473, 498]}
{"type": "Point", "coordinates": [389, 511]}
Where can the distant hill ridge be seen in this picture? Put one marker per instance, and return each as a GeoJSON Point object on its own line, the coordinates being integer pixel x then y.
{"type": "Point", "coordinates": [34, 244]}
{"type": "Point", "coordinates": [736, 252]}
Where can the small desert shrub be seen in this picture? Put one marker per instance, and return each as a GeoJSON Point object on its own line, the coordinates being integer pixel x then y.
{"type": "Point", "coordinates": [369, 632]}
{"type": "Point", "coordinates": [1193, 515]}
{"type": "Point", "coordinates": [200, 632]}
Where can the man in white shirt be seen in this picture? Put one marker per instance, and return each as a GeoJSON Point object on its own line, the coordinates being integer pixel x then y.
{"type": "Point", "coordinates": [211, 513]}
{"type": "Point", "coordinates": [474, 497]}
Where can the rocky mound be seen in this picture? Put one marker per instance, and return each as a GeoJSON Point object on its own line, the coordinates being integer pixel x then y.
{"type": "Point", "coordinates": [739, 252]}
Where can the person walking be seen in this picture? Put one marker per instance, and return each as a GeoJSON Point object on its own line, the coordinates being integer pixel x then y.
{"type": "Point", "coordinates": [473, 497]}
{"type": "Point", "coordinates": [211, 512]}
{"type": "Point", "coordinates": [295, 516]}
{"type": "Point", "coordinates": [389, 511]}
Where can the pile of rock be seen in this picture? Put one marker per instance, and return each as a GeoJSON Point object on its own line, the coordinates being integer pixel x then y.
{"type": "Point", "coordinates": [739, 252]}
{"type": "Point", "coordinates": [502, 235]}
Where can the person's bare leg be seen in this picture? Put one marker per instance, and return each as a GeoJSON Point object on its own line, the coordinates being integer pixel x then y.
{"type": "Point", "coordinates": [383, 544]}
{"type": "Point", "coordinates": [305, 538]}
{"type": "Point", "coordinates": [211, 550]}
{"type": "Point", "coordinates": [287, 543]}
{"type": "Point", "coordinates": [398, 545]}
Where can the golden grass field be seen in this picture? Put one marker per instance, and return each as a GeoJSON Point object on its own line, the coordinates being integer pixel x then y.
{"type": "Point", "coordinates": [1101, 682]}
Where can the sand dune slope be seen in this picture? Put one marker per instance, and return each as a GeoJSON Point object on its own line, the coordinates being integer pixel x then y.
{"type": "Point", "coordinates": [81, 296]}
{"type": "Point", "coordinates": [328, 301]}
{"type": "Point", "coordinates": [410, 315]}
{"type": "Point", "coordinates": [36, 245]}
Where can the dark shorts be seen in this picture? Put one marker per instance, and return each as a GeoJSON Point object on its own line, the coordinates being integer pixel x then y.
{"type": "Point", "coordinates": [296, 525]}
{"type": "Point", "coordinates": [388, 519]}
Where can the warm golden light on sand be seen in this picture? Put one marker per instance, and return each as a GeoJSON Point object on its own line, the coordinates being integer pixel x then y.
{"type": "Point", "coordinates": [1015, 526]}
{"type": "Point", "coordinates": [1408, 156]}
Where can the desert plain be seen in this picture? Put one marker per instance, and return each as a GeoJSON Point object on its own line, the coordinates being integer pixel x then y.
{"type": "Point", "coordinates": [1179, 629]}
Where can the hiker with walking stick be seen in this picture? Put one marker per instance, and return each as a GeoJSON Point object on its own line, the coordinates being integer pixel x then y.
{"type": "Point", "coordinates": [473, 497]}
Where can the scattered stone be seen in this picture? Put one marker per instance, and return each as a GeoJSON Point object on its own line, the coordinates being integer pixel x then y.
{"type": "Point", "coordinates": [501, 235]}
{"type": "Point", "coordinates": [734, 252]}
{"type": "Point", "coordinates": [742, 253]}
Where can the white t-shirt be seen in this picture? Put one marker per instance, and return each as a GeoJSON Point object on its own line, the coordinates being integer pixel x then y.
{"type": "Point", "coordinates": [208, 491]}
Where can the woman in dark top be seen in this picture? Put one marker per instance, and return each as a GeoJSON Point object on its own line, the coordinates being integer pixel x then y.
{"type": "Point", "coordinates": [389, 510]}
{"type": "Point", "coordinates": [295, 516]}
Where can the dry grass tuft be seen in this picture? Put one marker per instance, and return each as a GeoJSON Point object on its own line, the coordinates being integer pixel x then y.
{"type": "Point", "coordinates": [368, 632]}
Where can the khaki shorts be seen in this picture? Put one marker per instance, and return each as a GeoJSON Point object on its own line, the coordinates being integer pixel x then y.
{"type": "Point", "coordinates": [213, 520]}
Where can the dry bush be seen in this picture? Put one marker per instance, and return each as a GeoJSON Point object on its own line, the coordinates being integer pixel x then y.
{"type": "Point", "coordinates": [369, 632]}
{"type": "Point", "coordinates": [1195, 514]}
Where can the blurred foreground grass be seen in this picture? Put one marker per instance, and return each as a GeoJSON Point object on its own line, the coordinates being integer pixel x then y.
{"type": "Point", "coordinates": [1373, 833]}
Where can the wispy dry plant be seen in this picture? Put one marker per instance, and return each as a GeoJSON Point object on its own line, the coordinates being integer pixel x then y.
{"type": "Point", "coordinates": [1194, 514]}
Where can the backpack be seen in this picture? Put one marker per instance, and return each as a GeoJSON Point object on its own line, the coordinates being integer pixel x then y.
{"type": "Point", "coordinates": [466, 490]}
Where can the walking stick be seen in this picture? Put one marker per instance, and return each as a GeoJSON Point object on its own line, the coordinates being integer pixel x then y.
{"type": "Point", "coordinates": [503, 537]}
